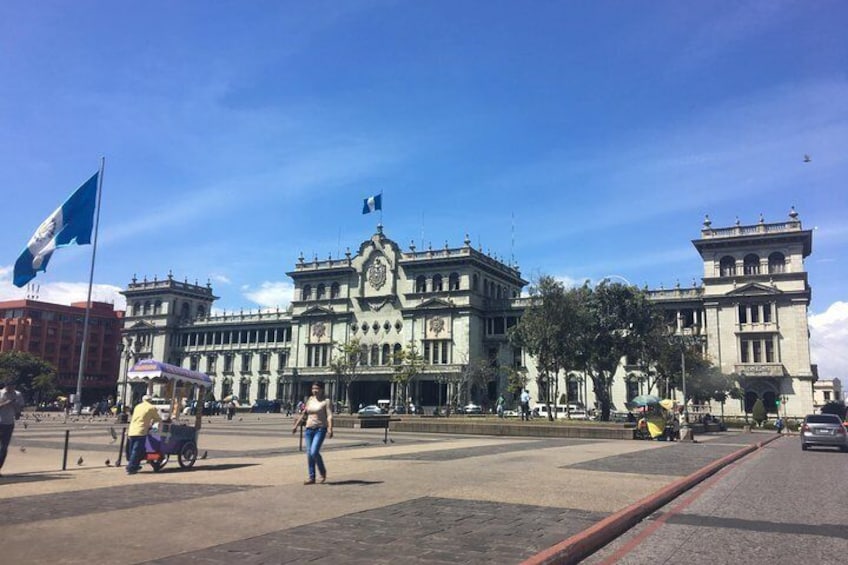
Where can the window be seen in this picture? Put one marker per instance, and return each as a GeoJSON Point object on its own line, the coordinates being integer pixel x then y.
{"type": "Point", "coordinates": [136, 310]}
{"type": "Point", "coordinates": [262, 393]}
{"type": "Point", "coordinates": [751, 264]}
{"type": "Point", "coordinates": [421, 284]}
{"type": "Point", "coordinates": [826, 396]}
{"type": "Point", "coordinates": [396, 354]}
{"type": "Point", "coordinates": [776, 263]}
{"type": "Point", "coordinates": [263, 362]}
{"type": "Point", "coordinates": [437, 352]}
{"type": "Point", "coordinates": [758, 350]}
{"type": "Point", "coordinates": [228, 363]}
{"type": "Point", "coordinates": [321, 291]}
{"type": "Point", "coordinates": [282, 360]}
{"type": "Point", "coordinates": [317, 355]}
{"type": "Point", "coordinates": [437, 283]}
{"type": "Point", "coordinates": [387, 354]}
{"type": "Point", "coordinates": [244, 391]}
{"type": "Point", "coordinates": [157, 307]}
{"type": "Point", "coordinates": [375, 355]}
{"type": "Point", "coordinates": [245, 362]}
{"type": "Point", "coordinates": [727, 266]}
{"type": "Point", "coordinates": [210, 364]}
{"type": "Point", "coordinates": [194, 362]}
{"type": "Point", "coordinates": [306, 292]}
{"type": "Point", "coordinates": [335, 290]}
{"type": "Point", "coordinates": [453, 281]}
{"type": "Point", "coordinates": [475, 282]}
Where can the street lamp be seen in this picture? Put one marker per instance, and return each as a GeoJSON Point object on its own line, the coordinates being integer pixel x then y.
{"type": "Point", "coordinates": [127, 358]}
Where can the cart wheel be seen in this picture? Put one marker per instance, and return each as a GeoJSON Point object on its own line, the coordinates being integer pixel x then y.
{"type": "Point", "coordinates": [188, 455]}
{"type": "Point", "coordinates": [157, 464]}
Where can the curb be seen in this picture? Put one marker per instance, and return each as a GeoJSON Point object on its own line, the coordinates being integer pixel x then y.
{"type": "Point", "coordinates": [585, 543]}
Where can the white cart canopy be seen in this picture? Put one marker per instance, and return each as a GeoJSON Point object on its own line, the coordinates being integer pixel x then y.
{"type": "Point", "coordinates": [153, 370]}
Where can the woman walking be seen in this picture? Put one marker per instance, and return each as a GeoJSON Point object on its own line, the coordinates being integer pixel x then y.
{"type": "Point", "coordinates": [318, 416]}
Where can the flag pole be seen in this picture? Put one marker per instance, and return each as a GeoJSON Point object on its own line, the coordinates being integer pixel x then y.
{"type": "Point", "coordinates": [84, 346]}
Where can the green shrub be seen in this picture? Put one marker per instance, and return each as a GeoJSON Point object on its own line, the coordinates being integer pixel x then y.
{"type": "Point", "coordinates": [758, 412]}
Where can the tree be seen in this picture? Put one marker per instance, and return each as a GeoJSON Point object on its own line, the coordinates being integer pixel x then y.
{"type": "Point", "coordinates": [516, 380]}
{"type": "Point", "coordinates": [617, 321]}
{"type": "Point", "coordinates": [35, 377]}
{"type": "Point", "coordinates": [758, 412]}
{"type": "Point", "coordinates": [345, 366]}
{"type": "Point", "coordinates": [836, 408]}
{"type": "Point", "coordinates": [476, 376]}
{"type": "Point", "coordinates": [408, 364]}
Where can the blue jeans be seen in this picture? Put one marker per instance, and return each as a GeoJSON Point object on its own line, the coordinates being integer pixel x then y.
{"type": "Point", "coordinates": [136, 450]}
{"type": "Point", "coordinates": [5, 438]}
{"type": "Point", "coordinates": [314, 439]}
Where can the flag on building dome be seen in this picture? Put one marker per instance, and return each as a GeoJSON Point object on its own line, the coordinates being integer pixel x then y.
{"type": "Point", "coordinates": [372, 203]}
{"type": "Point", "coordinates": [72, 222]}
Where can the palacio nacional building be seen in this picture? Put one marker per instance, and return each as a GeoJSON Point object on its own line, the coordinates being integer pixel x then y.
{"type": "Point", "coordinates": [456, 305]}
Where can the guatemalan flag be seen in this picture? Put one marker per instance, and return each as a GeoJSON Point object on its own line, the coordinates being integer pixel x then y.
{"type": "Point", "coordinates": [372, 203]}
{"type": "Point", "coordinates": [71, 223]}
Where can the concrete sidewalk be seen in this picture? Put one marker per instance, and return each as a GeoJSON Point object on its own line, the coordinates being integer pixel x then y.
{"type": "Point", "coordinates": [422, 498]}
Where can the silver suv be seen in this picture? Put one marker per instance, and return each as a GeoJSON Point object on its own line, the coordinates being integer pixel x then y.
{"type": "Point", "coordinates": [825, 430]}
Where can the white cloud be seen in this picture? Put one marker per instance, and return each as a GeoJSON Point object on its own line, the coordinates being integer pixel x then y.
{"type": "Point", "coordinates": [223, 279]}
{"type": "Point", "coordinates": [60, 292]}
{"type": "Point", "coordinates": [829, 341]}
{"type": "Point", "coordinates": [271, 294]}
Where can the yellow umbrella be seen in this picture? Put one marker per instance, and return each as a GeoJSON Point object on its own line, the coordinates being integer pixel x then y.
{"type": "Point", "coordinates": [667, 403]}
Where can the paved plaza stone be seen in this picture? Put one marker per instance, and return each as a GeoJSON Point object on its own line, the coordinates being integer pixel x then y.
{"type": "Point", "coordinates": [425, 498]}
{"type": "Point", "coordinates": [425, 530]}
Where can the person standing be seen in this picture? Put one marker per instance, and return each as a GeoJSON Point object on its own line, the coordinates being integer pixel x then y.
{"type": "Point", "coordinates": [318, 415]}
{"type": "Point", "coordinates": [525, 405]}
{"type": "Point", "coordinates": [11, 406]}
{"type": "Point", "coordinates": [500, 406]}
{"type": "Point", "coordinates": [143, 417]}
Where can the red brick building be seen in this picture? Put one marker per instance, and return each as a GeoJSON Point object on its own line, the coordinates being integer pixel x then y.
{"type": "Point", "coordinates": [53, 332]}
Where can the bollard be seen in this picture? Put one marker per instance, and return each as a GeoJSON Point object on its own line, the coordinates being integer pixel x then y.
{"type": "Point", "coordinates": [65, 454]}
{"type": "Point", "coordinates": [121, 452]}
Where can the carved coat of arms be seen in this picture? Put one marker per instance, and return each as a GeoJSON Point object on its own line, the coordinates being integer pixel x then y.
{"type": "Point", "coordinates": [319, 330]}
{"type": "Point", "coordinates": [437, 325]}
{"type": "Point", "coordinates": [377, 274]}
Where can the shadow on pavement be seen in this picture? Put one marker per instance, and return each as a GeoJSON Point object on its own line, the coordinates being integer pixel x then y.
{"type": "Point", "coordinates": [18, 479]}
{"type": "Point", "coordinates": [353, 482]}
{"type": "Point", "coordinates": [222, 467]}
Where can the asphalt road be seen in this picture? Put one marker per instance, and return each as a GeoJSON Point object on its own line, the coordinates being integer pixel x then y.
{"type": "Point", "coordinates": [779, 505]}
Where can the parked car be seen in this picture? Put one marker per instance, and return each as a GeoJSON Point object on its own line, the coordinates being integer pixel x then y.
{"type": "Point", "coordinates": [266, 406]}
{"type": "Point", "coordinates": [823, 430]}
{"type": "Point", "coordinates": [371, 410]}
{"type": "Point", "coordinates": [472, 408]}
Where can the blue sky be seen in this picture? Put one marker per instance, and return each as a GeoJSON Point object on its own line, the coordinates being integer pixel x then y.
{"type": "Point", "coordinates": [237, 135]}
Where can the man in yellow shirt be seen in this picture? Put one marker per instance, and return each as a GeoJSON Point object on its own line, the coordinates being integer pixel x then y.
{"type": "Point", "coordinates": [143, 417]}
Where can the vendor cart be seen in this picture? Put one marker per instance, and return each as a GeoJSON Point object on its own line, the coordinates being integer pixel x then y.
{"type": "Point", "coordinates": [172, 437]}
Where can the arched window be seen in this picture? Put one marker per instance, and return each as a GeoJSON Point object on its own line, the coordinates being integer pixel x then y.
{"type": "Point", "coordinates": [157, 307]}
{"type": "Point", "coordinates": [475, 282]}
{"type": "Point", "coordinates": [453, 281]}
{"type": "Point", "coordinates": [321, 291]}
{"type": "Point", "coordinates": [751, 264]}
{"type": "Point", "coordinates": [335, 290]}
{"type": "Point", "coordinates": [363, 355]}
{"type": "Point", "coordinates": [375, 355]}
{"type": "Point", "coordinates": [437, 283]}
{"type": "Point", "coordinates": [387, 354]}
{"type": "Point", "coordinates": [306, 292]}
{"type": "Point", "coordinates": [421, 284]}
{"type": "Point", "coordinates": [136, 309]}
{"type": "Point", "coordinates": [727, 266]}
{"type": "Point", "coordinates": [201, 311]}
{"type": "Point", "coordinates": [777, 263]}
{"type": "Point", "coordinates": [396, 354]}
{"type": "Point", "coordinates": [147, 308]}
{"type": "Point", "coordinates": [185, 311]}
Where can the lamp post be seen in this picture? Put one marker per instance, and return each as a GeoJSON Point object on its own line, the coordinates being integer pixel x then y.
{"type": "Point", "coordinates": [127, 358]}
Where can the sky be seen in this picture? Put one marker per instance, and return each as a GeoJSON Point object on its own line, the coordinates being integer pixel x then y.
{"type": "Point", "coordinates": [581, 140]}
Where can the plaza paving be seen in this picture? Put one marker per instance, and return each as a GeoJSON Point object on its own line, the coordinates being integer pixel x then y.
{"type": "Point", "coordinates": [421, 498]}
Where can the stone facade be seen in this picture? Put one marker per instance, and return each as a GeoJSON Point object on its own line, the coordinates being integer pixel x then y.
{"type": "Point", "coordinates": [456, 305]}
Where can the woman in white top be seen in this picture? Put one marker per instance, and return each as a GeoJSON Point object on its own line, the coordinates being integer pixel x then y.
{"type": "Point", "coordinates": [319, 425]}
